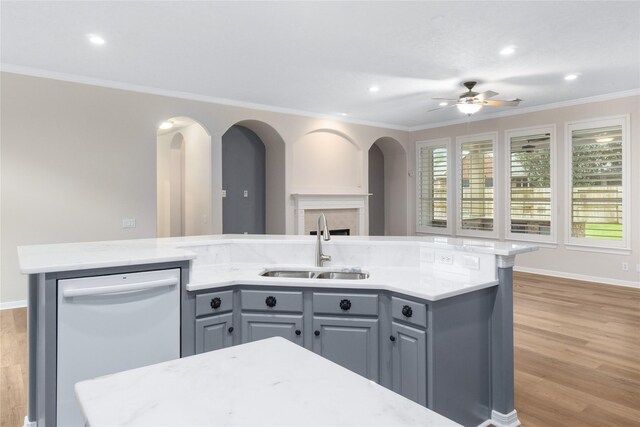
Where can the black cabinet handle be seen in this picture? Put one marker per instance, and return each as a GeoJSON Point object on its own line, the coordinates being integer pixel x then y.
{"type": "Point", "coordinates": [230, 329]}
{"type": "Point", "coordinates": [216, 303]}
{"type": "Point", "coordinates": [407, 311]}
{"type": "Point", "coordinates": [298, 332]}
{"type": "Point", "coordinates": [270, 301]}
{"type": "Point", "coordinates": [345, 304]}
{"type": "Point", "coordinates": [316, 333]}
{"type": "Point", "coordinates": [392, 338]}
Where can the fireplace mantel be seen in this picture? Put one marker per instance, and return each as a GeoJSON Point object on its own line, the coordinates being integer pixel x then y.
{"type": "Point", "coordinates": [315, 201]}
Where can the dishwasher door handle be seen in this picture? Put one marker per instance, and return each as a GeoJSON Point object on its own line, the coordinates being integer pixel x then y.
{"type": "Point", "coordinates": [117, 289]}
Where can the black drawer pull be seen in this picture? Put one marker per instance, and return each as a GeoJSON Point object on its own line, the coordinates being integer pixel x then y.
{"type": "Point", "coordinates": [230, 329]}
{"type": "Point", "coordinates": [316, 333]}
{"type": "Point", "coordinates": [392, 338]}
{"type": "Point", "coordinates": [407, 311]}
{"type": "Point", "coordinates": [298, 332]}
{"type": "Point", "coordinates": [216, 303]}
{"type": "Point", "coordinates": [270, 301]}
{"type": "Point", "coordinates": [345, 304]}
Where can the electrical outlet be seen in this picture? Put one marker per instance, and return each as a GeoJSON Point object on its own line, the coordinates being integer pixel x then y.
{"type": "Point", "coordinates": [471, 262]}
{"type": "Point", "coordinates": [224, 193]}
{"type": "Point", "coordinates": [625, 266]}
{"type": "Point", "coordinates": [128, 223]}
{"type": "Point", "coordinates": [445, 258]}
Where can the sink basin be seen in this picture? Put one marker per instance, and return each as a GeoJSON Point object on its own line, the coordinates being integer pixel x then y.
{"type": "Point", "coordinates": [294, 274]}
{"type": "Point", "coordinates": [342, 275]}
{"type": "Point", "coordinates": [304, 274]}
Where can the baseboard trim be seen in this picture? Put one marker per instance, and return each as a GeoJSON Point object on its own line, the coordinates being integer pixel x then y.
{"type": "Point", "coordinates": [583, 277]}
{"type": "Point", "coordinates": [28, 423]}
{"type": "Point", "coordinates": [13, 304]}
{"type": "Point", "coordinates": [505, 420]}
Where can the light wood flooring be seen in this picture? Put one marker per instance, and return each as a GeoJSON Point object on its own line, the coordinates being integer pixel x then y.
{"type": "Point", "coordinates": [577, 355]}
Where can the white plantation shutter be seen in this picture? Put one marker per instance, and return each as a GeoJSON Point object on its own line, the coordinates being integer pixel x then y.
{"type": "Point", "coordinates": [530, 184]}
{"type": "Point", "coordinates": [476, 185]}
{"type": "Point", "coordinates": [432, 185]}
{"type": "Point", "coordinates": [597, 183]}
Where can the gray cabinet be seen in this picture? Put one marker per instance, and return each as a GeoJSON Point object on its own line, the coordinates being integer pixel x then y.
{"type": "Point", "coordinates": [350, 342]}
{"type": "Point", "coordinates": [409, 362]}
{"type": "Point", "coordinates": [270, 313]}
{"type": "Point", "coordinates": [214, 332]}
{"type": "Point", "coordinates": [257, 326]}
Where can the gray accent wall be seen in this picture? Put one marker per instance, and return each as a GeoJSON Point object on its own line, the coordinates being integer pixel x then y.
{"type": "Point", "coordinates": [243, 168]}
{"type": "Point", "coordinates": [376, 188]}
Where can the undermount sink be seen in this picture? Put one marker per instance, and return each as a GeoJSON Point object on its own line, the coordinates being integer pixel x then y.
{"type": "Point", "coordinates": [305, 274]}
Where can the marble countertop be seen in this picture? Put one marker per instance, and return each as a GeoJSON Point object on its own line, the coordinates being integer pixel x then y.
{"type": "Point", "coordinates": [408, 281]}
{"type": "Point", "coordinates": [272, 382]}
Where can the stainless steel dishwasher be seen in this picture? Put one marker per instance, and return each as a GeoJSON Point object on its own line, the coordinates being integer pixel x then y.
{"type": "Point", "coordinates": [108, 324]}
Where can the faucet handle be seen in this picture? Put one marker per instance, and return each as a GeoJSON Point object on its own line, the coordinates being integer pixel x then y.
{"type": "Point", "coordinates": [325, 257]}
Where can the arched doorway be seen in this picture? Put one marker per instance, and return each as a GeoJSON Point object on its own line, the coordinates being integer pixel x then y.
{"type": "Point", "coordinates": [183, 178]}
{"type": "Point", "coordinates": [388, 186]}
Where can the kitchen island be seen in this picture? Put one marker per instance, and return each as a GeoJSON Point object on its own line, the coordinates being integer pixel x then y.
{"type": "Point", "coordinates": [271, 382]}
{"type": "Point", "coordinates": [430, 318]}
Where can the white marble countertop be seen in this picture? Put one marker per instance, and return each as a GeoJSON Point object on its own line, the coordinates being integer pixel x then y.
{"type": "Point", "coordinates": [407, 281]}
{"type": "Point", "coordinates": [265, 383]}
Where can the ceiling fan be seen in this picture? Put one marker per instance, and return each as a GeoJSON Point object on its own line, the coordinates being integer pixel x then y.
{"type": "Point", "coordinates": [471, 102]}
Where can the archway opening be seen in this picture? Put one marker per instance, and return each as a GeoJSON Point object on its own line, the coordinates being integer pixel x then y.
{"type": "Point", "coordinates": [388, 188]}
{"type": "Point", "coordinates": [183, 179]}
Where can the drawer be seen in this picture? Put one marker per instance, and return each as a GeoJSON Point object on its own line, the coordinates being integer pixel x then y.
{"type": "Point", "coordinates": [214, 303]}
{"type": "Point", "coordinates": [409, 311]}
{"type": "Point", "coordinates": [271, 300]}
{"type": "Point", "coordinates": [344, 303]}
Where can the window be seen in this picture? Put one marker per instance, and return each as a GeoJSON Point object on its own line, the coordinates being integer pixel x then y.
{"type": "Point", "coordinates": [432, 186]}
{"type": "Point", "coordinates": [476, 175]}
{"type": "Point", "coordinates": [530, 192]}
{"type": "Point", "coordinates": [598, 183]}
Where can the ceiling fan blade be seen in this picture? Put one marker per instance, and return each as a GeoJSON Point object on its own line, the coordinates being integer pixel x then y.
{"type": "Point", "coordinates": [446, 99]}
{"type": "Point", "coordinates": [498, 103]}
{"type": "Point", "coordinates": [486, 95]}
{"type": "Point", "coordinates": [441, 108]}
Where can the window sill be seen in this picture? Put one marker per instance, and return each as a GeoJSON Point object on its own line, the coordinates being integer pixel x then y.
{"type": "Point", "coordinates": [598, 249]}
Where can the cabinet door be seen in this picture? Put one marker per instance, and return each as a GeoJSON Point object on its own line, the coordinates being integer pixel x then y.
{"type": "Point", "coordinates": [409, 361]}
{"type": "Point", "coordinates": [349, 342]}
{"type": "Point", "coordinates": [214, 333]}
{"type": "Point", "coordinates": [260, 326]}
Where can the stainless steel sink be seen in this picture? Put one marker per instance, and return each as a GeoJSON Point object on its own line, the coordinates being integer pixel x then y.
{"type": "Point", "coordinates": [294, 274]}
{"type": "Point", "coordinates": [342, 275]}
{"type": "Point", "coordinates": [305, 274]}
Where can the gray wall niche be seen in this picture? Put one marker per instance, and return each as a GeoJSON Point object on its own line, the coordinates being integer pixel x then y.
{"type": "Point", "coordinates": [376, 188]}
{"type": "Point", "coordinates": [243, 168]}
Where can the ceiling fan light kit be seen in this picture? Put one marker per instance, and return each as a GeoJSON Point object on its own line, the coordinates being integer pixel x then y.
{"type": "Point", "coordinates": [471, 102]}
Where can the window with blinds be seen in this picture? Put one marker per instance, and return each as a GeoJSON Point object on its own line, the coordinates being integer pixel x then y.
{"type": "Point", "coordinates": [432, 185]}
{"type": "Point", "coordinates": [597, 182]}
{"type": "Point", "coordinates": [530, 209]}
{"type": "Point", "coordinates": [476, 185]}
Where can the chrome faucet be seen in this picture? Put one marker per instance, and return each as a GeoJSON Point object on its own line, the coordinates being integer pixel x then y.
{"type": "Point", "coordinates": [320, 257]}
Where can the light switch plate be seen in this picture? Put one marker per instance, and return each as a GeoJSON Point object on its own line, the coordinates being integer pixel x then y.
{"type": "Point", "coordinates": [128, 223]}
{"type": "Point", "coordinates": [246, 193]}
{"type": "Point", "coordinates": [471, 262]}
{"type": "Point", "coordinates": [224, 193]}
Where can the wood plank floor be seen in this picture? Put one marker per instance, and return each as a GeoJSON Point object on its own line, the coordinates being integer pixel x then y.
{"type": "Point", "coordinates": [577, 355]}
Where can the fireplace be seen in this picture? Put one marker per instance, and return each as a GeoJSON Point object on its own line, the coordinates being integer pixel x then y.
{"type": "Point", "coordinates": [343, 212]}
{"type": "Point", "coordinates": [334, 232]}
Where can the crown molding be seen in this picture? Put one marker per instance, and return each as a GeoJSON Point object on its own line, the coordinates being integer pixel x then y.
{"type": "Point", "coordinates": [74, 78]}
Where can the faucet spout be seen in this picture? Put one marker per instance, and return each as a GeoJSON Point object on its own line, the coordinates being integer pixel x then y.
{"type": "Point", "coordinates": [322, 230]}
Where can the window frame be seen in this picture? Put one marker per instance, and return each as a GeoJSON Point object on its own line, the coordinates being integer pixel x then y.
{"type": "Point", "coordinates": [450, 200]}
{"type": "Point", "coordinates": [460, 140]}
{"type": "Point", "coordinates": [588, 244]}
{"type": "Point", "coordinates": [552, 238]}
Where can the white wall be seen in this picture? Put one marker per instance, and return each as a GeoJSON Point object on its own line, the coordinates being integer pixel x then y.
{"type": "Point", "coordinates": [559, 260]}
{"type": "Point", "coordinates": [76, 159]}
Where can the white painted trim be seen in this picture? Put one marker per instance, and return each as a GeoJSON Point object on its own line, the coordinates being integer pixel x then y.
{"type": "Point", "coordinates": [505, 420]}
{"type": "Point", "coordinates": [13, 304]}
{"type": "Point", "coordinates": [597, 249]}
{"type": "Point", "coordinates": [74, 78]}
{"type": "Point", "coordinates": [28, 423]}
{"type": "Point", "coordinates": [602, 280]}
{"type": "Point", "coordinates": [447, 142]}
{"type": "Point", "coordinates": [486, 423]}
{"type": "Point", "coordinates": [527, 110]}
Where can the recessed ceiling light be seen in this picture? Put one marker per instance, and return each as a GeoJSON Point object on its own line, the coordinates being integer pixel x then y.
{"type": "Point", "coordinates": [165, 125]}
{"type": "Point", "coordinates": [374, 89]}
{"type": "Point", "coordinates": [571, 77]}
{"type": "Point", "coordinates": [508, 50]}
{"type": "Point", "coordinates": [95, 39]}
{"type": "Point", "coordinates": [443, 104]}
{"type": "Point", "coordinates": [343, 114]}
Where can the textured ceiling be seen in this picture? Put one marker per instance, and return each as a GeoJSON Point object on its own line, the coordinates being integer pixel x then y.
{"type": "Point", "coordinates": [321, 57]}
